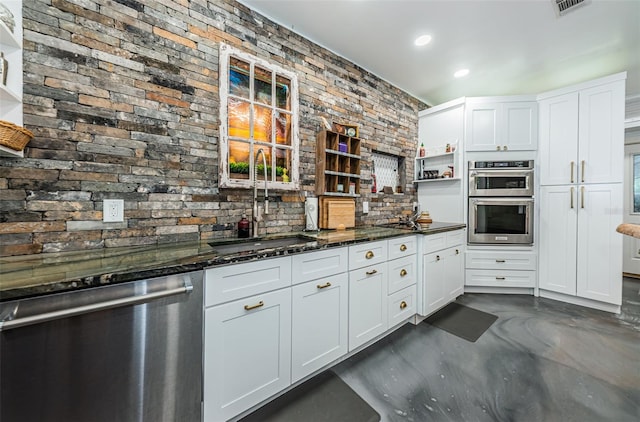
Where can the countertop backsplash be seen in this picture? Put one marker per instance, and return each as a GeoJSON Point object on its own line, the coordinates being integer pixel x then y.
{"type": "Point", "coordinates": [139, 122]}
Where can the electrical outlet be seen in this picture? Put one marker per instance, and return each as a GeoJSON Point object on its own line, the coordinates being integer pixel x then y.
{"type": "Point", "coordinates": [365, 207]}
{"type": "Point", "coordinates": [113, 210]}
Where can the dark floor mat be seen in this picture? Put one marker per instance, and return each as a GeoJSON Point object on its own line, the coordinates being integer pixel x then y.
{"type": "Point", "coordinates": [462, 321]}
{"type": "Point", "coordinates": [323, 398]}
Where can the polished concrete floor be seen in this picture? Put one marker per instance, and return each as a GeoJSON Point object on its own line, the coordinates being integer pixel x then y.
{"type": "Point", "coordinates": [542, 360]}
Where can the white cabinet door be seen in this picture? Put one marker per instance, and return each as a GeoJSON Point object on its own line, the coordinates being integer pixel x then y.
{"type": "Point", "coordinates": [599, 272]}
{"type": "Point", "coordinates": [581, 136]}
{"type": "Point", "coordinates": [502, 126]}
{"type": "Point", "coordinates": [482, 127]}
{"type": "Point", "coordinates": [520, 126]}
{"type": "Point", "coordinates": [558, 234]}
{"type": "Point", "coordinates": [601, 131]}
{"type": "Point", "coordinates": [453, 273]}
{"type": "Point", "coordinates": [368, 311]}
{"type": "Point", "coordinates": [580, 251]}
{"type": "Point", "coordinates": [435, 296]}
{"type": "Point", "coordinates": [319, 324]}
{"type": "Point", "coordinates": [247, 353]}
{"type": "Point", "coordinates": [558, 140]}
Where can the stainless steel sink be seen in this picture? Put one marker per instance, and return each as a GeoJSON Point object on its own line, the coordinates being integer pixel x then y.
{"type": "Point", "coordinates": [402, 226]}
{"type": "Point", "coordinates": [256, 245]}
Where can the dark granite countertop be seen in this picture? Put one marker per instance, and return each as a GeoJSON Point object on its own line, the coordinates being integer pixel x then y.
{"type": "Point", "coordinates": [36, 275]}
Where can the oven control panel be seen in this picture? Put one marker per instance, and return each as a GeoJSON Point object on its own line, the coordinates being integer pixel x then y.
{"type": "Point", "coordinates": [506, 165]}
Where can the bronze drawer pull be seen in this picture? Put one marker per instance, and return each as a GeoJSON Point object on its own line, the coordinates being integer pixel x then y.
{"type": "Point", "coordinates": [457, 252]}
{"type": "Point", "coordinates": [500, 261]}
{"type": "Point", "coordinates": [572, 165]}
{"type": "Point", "coordinates": [403, 247]}
{"type": "Point", "coordinates": [369, 255]}
{"type": "Point", "coordinates": [403, 304]}
{"type": "Point", "coordinates": [250, 307]}
{"type": "Point", "coordinates": [372, 272]}
{"type": "Point", "coordinates": [403, 272]}
{"type": "Point", "coordinates": [572, 190]}
{"type": "Point", "coordinates": [323, 286]}
{"type": "Point", "coordinates": [499, 278]}
{"type": "Point", "coordinates": [437, 258]}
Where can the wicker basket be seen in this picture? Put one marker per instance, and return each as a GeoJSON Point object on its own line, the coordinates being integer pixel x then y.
{"type": "Point", "coordinates": [13, 136]}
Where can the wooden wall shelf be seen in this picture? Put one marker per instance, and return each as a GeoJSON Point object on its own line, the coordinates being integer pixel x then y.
{"type": "Point", "coordinates": [337, 165]}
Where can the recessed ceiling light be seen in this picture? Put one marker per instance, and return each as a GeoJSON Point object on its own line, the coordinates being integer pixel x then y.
{"type": "Point", "coordinates": [422, 40]}
{"type": "Point", "coordinates": [460, 73]}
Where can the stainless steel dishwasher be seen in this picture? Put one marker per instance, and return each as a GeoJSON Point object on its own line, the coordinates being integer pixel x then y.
{"type": "Point", "coordinates": [125, 352]}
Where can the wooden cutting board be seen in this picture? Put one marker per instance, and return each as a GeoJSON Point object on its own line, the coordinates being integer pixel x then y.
{"type": "Point", "coordinates": [337, 211]}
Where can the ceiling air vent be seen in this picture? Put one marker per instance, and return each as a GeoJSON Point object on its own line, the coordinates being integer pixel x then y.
{"type": "Point", "coordinates": [562, 7]}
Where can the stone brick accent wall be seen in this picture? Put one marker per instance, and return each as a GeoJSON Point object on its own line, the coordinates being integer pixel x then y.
{"type": "Point", "coordinates": [122, 96]}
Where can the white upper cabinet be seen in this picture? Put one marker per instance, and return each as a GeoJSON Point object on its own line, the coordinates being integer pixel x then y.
{"type": "Point", "coordinates": [558, 139]}
{"type": "Point", "coordinates": [580, 135]}
{"type": "Point", "coordinates": [600, 129]}
{"type": "Point", "coordinates": [501, 126]}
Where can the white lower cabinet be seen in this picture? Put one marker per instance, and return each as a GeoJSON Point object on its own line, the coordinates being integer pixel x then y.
{"type": "Point", "coordinates": [580, 251]}
{"type": "Point", "coordinates": [442, 270]}
{"type": "Point", "coordinates": [247, 353]}
{"type": "Point", "coordinates": [273, 322]}
{"type": "Point", "coordinates": [320, 324]}
{"type": "Point", "coordinates": [500, 267]}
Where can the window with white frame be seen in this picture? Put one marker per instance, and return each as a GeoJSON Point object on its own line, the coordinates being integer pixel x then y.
{"type": "Point", "coordinates": [258, 110]}
{"type": "Point", "coordinates": [636, 184]}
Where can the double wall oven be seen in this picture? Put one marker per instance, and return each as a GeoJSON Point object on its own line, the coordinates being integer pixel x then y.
{"type": "Point", "coordinates": [501, 202]}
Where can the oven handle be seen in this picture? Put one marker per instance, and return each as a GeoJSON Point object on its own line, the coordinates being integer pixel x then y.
{"type": "Point", "coordinates": [93, 307]}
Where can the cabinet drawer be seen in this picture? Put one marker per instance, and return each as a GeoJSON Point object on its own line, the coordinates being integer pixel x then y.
{"type": "Point", "coordinates": [439, 241]}
{"type": "Point", "coordinates": [508, 260]}
{"type": "Point", "coordinates": [456, 237]}
{"type": "Point", "coordinates": [402, 305]}
{"type": "Point", "coordinates": [231, 282]}
{"type": "Point", "coordinates": [402, 246]}
{"type": "Point", "coordinates": [498, 278]}
{"type": "Point", "coordinates": [315, 265]}
{"type": "Point", "coordinates": [402, 273]}
{"type": "Point", "coordinates": [366, 254]}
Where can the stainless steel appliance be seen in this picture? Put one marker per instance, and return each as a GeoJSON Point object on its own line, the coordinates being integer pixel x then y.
{"type": "Point", "coordinates": [125, 352]}
{"type": "Point", "coordinates": [501, 202]}
{"type": "Point", "coordinates": [501, 220]}
{"type": "Point", "coordinates": [501, 178]}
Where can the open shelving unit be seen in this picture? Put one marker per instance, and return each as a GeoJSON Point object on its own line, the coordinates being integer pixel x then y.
{"type": "Point", "coordinates": [437, 159]}
{"type": "Point", "coordinates": [337, 165]}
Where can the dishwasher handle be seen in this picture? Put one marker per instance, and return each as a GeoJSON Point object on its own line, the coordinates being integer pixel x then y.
{"type": "Point", "coordinates": [94, 307]}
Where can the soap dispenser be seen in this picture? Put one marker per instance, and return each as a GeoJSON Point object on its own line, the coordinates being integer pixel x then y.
{"type": "Point", "coordinates": [243, 227]}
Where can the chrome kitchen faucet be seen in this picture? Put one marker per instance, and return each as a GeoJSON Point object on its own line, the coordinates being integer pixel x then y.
{"type": "Point", "coordinates": [257, 215]}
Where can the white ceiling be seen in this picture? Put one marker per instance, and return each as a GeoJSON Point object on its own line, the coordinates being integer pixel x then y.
{"type": "Point", "coordinates": [510, 46]}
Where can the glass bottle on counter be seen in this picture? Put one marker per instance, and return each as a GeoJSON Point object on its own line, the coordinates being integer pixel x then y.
{"type": "Point", "coordinates": [243, 227]}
